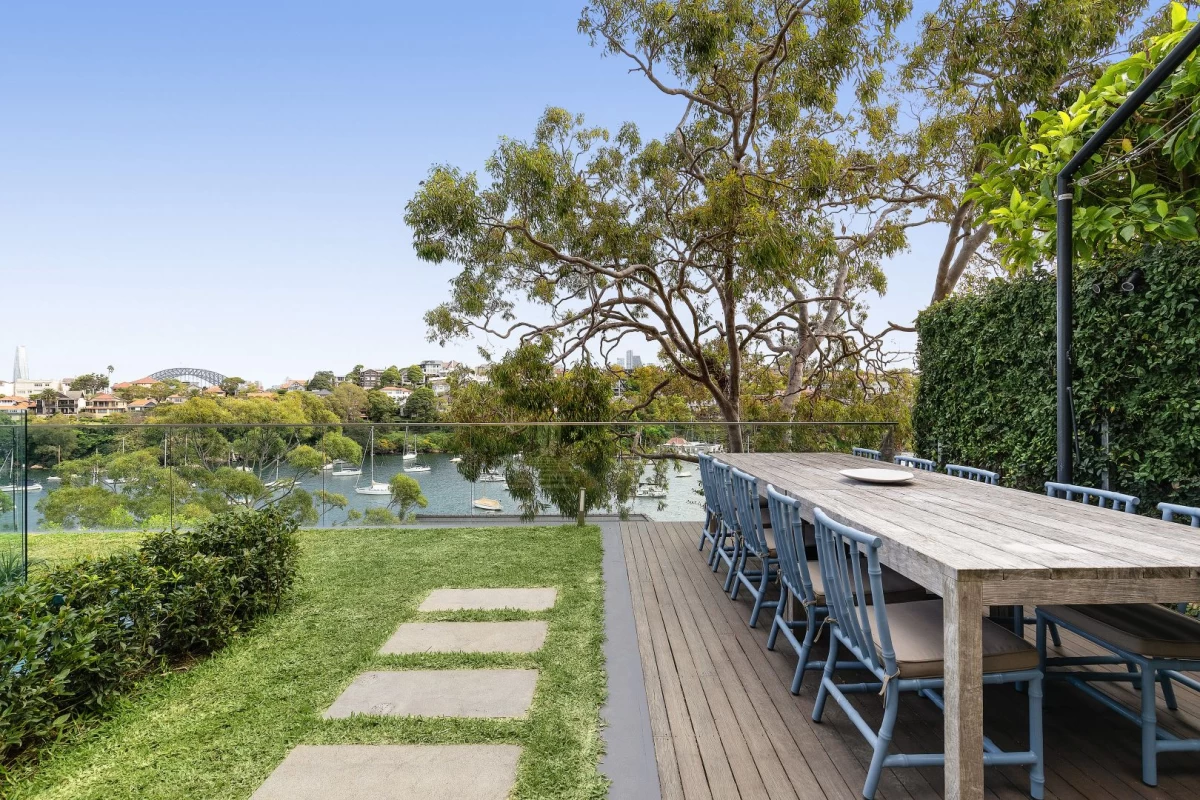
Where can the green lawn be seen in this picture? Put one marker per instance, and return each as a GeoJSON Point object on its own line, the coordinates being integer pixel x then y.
{"type": "Point", "coordinates": [219, 729]}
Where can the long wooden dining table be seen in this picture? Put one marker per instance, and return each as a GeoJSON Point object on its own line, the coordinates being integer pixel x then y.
{"type": "Point", "coordinates": [978, 545]}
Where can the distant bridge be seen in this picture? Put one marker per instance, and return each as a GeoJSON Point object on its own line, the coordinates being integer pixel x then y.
{"type": "Point", "coordinates": [205, 376]}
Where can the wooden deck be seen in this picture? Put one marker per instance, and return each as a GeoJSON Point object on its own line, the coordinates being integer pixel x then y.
{"type": "Point", "coordinates": [750, 738]}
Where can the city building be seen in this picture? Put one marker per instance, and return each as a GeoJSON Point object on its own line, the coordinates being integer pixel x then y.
{"type": "Point", "coordinates": [632, 361]}
{"type": "Point", "coordinates": [438, 369]}
{"type": "Point", "coordinates": [440, 386]}
{"type": "Point", "coordinates": [20, 365]}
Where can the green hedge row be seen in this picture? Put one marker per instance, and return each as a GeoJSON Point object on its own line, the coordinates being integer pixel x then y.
{"type": "Point", "coordinates": [987, 390]}
{"type": "Point", "coordinates": [77, 636]}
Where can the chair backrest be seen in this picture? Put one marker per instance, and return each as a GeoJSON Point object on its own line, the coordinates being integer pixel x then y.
{"type": "Point", "coordinates": [1104, 498]}
{"type": "Point", "coordinates": [745, 502]}
{"type": "Point", "coordinates": [1171, 510]}
{"type": "Point", "coordinates": [841, 552]}
{"type": "Point", "coordinates": [916, 463]}
{"type": "Point", "coordinates": [724, 491]}
{"type": "Point", "coordinates": [711, 503]}
{"type": "Point", "coordinates": [973, 474]}
{"type": "Point", "coordinates": [866, 452]}
{"type": "Point", "coordinates": [789, 542]}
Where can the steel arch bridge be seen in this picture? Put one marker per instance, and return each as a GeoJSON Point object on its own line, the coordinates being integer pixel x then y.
{"type": "Point", "coordinates": [206, 376]}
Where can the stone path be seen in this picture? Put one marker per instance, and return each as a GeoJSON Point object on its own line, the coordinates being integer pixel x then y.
{"type": "Point", "coordinates": [428, 772]}
{"type": "Point", "coordinates": [467, 637]}
{"type": "Point", "coordinates": [394, 772]}
{"type": "Point", "coordinates": [438, 693]}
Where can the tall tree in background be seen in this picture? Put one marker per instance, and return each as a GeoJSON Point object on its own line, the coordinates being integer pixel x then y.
{"type": "Point", "coordinates": [90, 383]}
{"type": "Point", "coordinates": [979, 67]}
{"type": "Point", "coordinates": [322, 379]}
{"type": "Point", "coordinates": [754, 224]}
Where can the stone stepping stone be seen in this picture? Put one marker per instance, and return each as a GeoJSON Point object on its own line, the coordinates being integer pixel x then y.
{"type": "Point", "coordinates": [467, 637]}
{"type": "Point", "coordinates": [394, 772]}
{"type": "Point", "coordinates": [438, 693]}
{"type": "Point", "coordinates": [489, 599]}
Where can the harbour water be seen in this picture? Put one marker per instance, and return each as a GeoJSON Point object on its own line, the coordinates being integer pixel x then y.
{"type": "Point", "coordinates": [449, 494]}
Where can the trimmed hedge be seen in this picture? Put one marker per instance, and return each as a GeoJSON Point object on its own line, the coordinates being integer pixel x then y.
{"type": "Point", "coordinates": [76, 637]}
{"type": "Point", "coordinates": [987, 390]}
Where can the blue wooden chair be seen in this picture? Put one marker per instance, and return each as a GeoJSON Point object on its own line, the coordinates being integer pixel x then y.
{"type": "Point", "coordinates": [902, 647]}
{"type": "Point", "coordinates": [757, 542]}
{"type": "Point", "coordinates": [1155, 644]}
{"type": "Point", "coordinates": [1085, 494]}
{"type": "Point", "coordinates": [1171, 510]}
{"type": "Point", "coordinates": [712, 508]}
{"type": "Point", "coordinates": [973, 474]}
{"type": "Point", "coordinates": [796, 578]}
{"type": "Point", "coordinates": [866, 452]}
{"type": "Point", "coordinates": [729, 539]}
{"type": "Point", "coordinates": [923, 464]}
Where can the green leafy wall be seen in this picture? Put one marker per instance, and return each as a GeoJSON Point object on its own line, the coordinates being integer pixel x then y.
{"type": "Point", "coordinates": [986, 395]}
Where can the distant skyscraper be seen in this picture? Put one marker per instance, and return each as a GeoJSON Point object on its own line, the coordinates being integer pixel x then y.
{"type": "Point", "coordinates": [20, 365]}
{"type": "Point", "coordinates": [632, 361]}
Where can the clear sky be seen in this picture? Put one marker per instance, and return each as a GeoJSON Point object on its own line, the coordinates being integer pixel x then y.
{"type": "Point", "coordinates": [222, 185]}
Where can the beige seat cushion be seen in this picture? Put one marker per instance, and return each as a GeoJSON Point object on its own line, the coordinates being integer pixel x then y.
{"type": "Point", "coordinates": [1144, 628]}
{"type": "Point", "coordinates": [916, 630]}
{"type": "Point", "coordinates": [896, 587]}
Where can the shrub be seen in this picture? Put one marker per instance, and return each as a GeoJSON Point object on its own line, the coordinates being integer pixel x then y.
{"type": "Point", "coordinates": [987, 390]}
{"type": "Point", "coordinates": [79, 635]}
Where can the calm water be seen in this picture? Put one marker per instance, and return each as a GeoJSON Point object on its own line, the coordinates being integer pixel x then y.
{"type": "Point", "coordinates": [449, 493]}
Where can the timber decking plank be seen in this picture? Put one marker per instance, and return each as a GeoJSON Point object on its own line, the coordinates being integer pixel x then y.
{"type": "Point", "coordinates": [690, 632]}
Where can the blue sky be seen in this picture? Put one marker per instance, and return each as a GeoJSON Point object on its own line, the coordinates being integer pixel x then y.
{"type": "Point", "coordinates": [222, 185]}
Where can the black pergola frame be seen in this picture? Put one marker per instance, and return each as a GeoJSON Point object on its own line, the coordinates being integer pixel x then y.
{"type": "Point", "coordinates": [1064, 194]}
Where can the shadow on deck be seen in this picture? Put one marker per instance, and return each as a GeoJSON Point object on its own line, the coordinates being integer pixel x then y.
{"type": "Point", "coordinates": [750, 738]}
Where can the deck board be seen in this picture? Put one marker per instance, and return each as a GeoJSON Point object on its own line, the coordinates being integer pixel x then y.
{"type": "Point", "coordinates": [751, 738]}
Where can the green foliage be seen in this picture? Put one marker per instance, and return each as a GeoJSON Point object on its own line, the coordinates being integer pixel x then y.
{"type": "Point", "coordinates": [348, 402]}
{"type": "Point", "coordinates": [78, 636]}
{"type": "Point", "coordinates": [377, 517]}
{"type": "Point", "coordinates": [406, 495]}
{"type": "Point", "coordinates": [321, 379]}
{"type": "Point", "coordinates": [1139, 189]}
{"type": "Point", "coordinates": [414, 375]}
{"type": "Point", "coordinates": [421, 405]}
{"type": "Point", "coordinates": [380, 407]}
{"type": "Point", "coordinates": [987, 394]}
{"type": "Point", "coordinates": [89, 383]}
{"type": "Point", "coordinates": [392, 376]}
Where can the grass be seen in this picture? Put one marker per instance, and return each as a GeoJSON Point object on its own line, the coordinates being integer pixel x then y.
{"type": "Point", "coordinates": [218, 730]}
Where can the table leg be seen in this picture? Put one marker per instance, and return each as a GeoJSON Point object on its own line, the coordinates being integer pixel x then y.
{"type": "Point", "coordinates": [962, 609]}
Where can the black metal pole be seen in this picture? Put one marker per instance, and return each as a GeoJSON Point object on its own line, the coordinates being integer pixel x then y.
{"type": "Point", "coordinates": [1064, 191]}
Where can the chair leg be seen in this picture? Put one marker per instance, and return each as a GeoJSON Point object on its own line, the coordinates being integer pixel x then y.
{"type": "Point", "coordinates": [1037, 771]}
{"type": "Point", "coordinates": [1149, 729]}
{"type": "Point", "coordinates": [778, 621]}
{"type": "Point", "coordinates": [1019, 621]}
{"type": "Point", "coordinates": [731, 581]}
{"type": "Point", "coordinates": [1168, 691]}
{"type": "Point", "coordinates": [1054, 637]}
{"type": "Point", "coordinates": [884, 741]}
{"type": "Point", "coordinates": [823, 693]}
{"type": "Point", "coordinates": [762, 592]}
{"type": "Point", "coordinates": [810, 633]}
{"type": "Point", "coordinates": [705, 530]}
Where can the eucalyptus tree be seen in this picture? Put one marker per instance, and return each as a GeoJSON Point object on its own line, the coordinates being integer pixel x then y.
{"type": "Point", "coordinates": [753, 225]}
{"type": "Point", "coordinates": [975, 72]}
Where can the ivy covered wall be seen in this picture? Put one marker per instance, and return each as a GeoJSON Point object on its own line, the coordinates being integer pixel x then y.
{"type": "Point", "coordinates": [987, 398]}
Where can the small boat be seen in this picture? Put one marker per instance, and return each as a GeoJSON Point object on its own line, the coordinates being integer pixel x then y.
{"type": "Point", "coordinates": [651, 490]}
{"type": "Point", "coordinates": [491, 476]}
{"type": "Point", "coordinates": [456, 460]}
{"type": "Point", "coordinates": [327, 465]}
{"type": "Point", "coordinates": [487, 504]}
{"type": "Point", "coordinates": [346, 472]}
{"type": "Point", "coordinates": [376, 488]}
{"type": "Point", "coordinates": [54, 479]}
{"type": "Point", "coordinates": [410, 454]}
{"type": "Point", "coordinates": [684, 474]}
{"type": "Point", "coordinates": [418, 468]}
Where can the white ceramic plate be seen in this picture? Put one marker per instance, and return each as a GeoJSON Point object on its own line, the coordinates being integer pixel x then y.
{"type": "Point", "coordinates": [878, 475]}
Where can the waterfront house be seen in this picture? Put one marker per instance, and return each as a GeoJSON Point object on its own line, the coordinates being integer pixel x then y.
{"type": "Point", "coordinates": [293, 385]}
{"type": "Point", "coordinates": [397, 393]}
{"type": "Point", "coordinates": [143, 405]}
{"type": "Point", "coordinates": [102, 405]}
{"type": "Point", "coordinates": [63, 403]}
{"type": "Point", "coordinates": [370, 378]}
{"type": "Point", "coordinates": [176, 399]}
{"type": "Point", "coordinates": [14, 406]}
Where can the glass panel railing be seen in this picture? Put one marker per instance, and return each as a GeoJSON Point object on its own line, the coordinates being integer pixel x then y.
{"type": "Point", "coordinates": [15, 493]}
{"type": "Point", "coordinates": [102, 476]}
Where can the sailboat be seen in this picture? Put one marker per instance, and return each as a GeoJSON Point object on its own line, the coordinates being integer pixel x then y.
{"type": "Point", "coordinates": [491, 476]}
{"type": "Point", "coordinates": [487, 504]}
{"type": "Point", "coordinates": [410, 453]}
{"type": "Point", "coordinates": [12, 486]}
{"type": "Point", "coordinates": [375, 487]}
{"type": "Point", "coordinates": [344, 469]}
